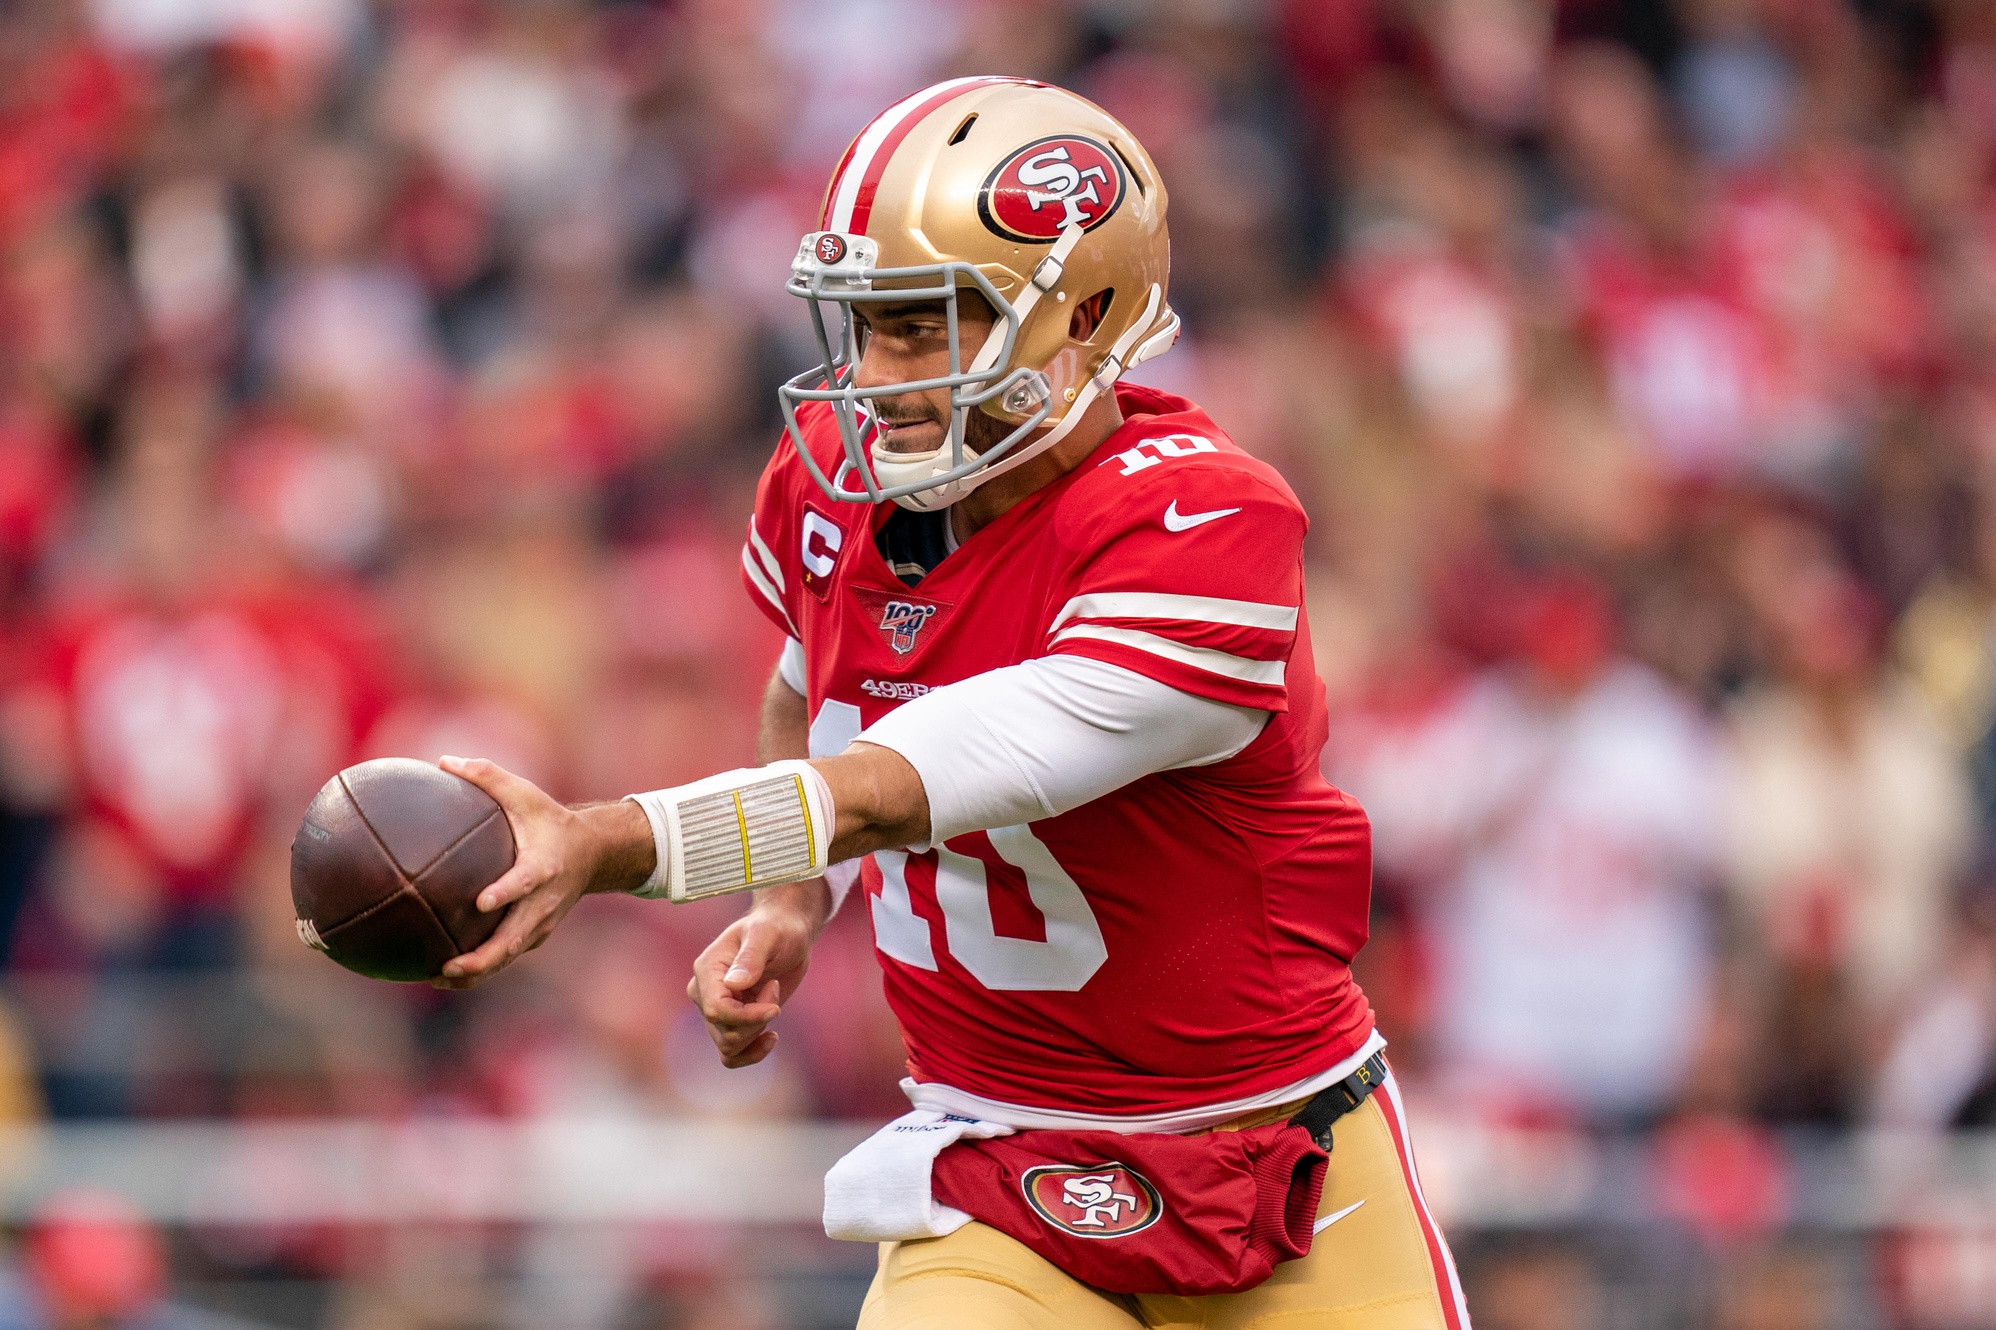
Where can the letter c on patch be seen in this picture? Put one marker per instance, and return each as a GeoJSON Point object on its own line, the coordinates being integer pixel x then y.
{"type": "Point", "coordinates": [822, 541]}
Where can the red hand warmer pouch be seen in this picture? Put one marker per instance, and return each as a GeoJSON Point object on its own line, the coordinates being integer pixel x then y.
{"type": "Point", "coordinates": [1145, 1213]}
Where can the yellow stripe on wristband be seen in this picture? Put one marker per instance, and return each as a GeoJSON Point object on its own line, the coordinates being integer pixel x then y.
{"type": "Point", "coordinates": [741, 819]}
{"type": "Point", "coordinates": [804, 807]}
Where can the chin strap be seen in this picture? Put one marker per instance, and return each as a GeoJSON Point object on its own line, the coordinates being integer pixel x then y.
{"type": "Point", "coordinates": [1046, 276]}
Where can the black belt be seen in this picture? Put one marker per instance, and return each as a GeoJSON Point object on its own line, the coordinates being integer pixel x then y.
{"type": "Point", "coordinates": [1335, 1100]}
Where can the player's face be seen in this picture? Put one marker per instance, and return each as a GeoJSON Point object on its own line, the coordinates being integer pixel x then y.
{"type": "Point", "coordinates": [901, 343]}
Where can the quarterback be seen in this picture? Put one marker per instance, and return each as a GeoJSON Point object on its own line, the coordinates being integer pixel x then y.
{"type": "Point", "coordinates": [1047, 709]}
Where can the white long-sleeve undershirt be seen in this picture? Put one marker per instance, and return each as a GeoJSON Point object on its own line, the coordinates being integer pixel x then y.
{"type": "Point", "coordinates": [1036, 739]}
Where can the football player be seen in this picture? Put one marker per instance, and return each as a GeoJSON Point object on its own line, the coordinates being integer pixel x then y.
{"type": "Point", "coordinates": [1048, 706]}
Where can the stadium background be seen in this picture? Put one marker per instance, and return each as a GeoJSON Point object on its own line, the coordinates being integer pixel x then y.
{"type": "Point", "coordinates": [391, 376]}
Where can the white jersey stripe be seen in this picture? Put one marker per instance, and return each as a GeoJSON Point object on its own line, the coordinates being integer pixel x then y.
{"type": "Point", "coordinates": [761, 583]}
{"type": "Point", "coordinates": [1195, 609]}
{"type": "Point", "coordinates": [1267, 672]}
{"type": "Point", "coordinates": [869, 143]}
{"type": "Point", "coordinates": [769, 563]}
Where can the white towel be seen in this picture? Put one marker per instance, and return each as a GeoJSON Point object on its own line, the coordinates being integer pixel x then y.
{"type": "Point", "coordinates": [882, 1191]}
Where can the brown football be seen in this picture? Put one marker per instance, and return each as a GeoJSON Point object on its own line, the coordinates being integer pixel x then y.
{"type": "Point", "coordinates": [387, 867]}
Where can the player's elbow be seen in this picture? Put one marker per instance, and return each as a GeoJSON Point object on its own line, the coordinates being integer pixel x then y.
{"type": "Point", "coordinates": [880, 800]}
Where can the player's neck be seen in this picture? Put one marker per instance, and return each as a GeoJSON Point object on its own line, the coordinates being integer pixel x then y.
{"type": "Point", "coordinates": [991, 500]}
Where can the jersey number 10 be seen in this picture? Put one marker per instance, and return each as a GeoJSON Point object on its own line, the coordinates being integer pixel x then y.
{"type": "Point", "coordinates": [1073, 950]}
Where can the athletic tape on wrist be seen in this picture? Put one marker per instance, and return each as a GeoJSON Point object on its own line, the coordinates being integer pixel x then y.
{"type": "Point", "coordinates": [753, 827]}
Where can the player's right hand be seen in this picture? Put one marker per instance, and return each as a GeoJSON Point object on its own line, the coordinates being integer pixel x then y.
{"type": "Point", "coordinates": [743, 978]}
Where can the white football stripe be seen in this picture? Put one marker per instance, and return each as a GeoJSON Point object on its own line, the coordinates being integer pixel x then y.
{"type": "Point", "coordinates": [1199, 658]}
{"type": "Point", "coordinates": [769, 564]}
{"type": "Point", "coordinates": [869, 144]}
{"type": "Point", "coordinates": [1195, 609]}
{"type": "Point", "coordinates": [761, 583]}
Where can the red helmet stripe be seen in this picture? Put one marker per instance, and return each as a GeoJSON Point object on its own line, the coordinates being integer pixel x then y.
{"type": "Point", "coordinates": [849, 205]}
{"type": "Point", "coordinates": [869, 185]}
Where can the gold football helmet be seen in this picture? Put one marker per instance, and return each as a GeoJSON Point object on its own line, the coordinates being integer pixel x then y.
{"type": "Point", "coordinates": [1035, 198]}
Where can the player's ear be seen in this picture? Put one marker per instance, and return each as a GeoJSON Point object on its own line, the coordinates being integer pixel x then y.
{"type": "Point", "coordinates": [1088, 315]}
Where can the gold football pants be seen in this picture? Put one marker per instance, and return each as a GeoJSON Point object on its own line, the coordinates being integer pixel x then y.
{"type": "Point", "coordinates": [1379, 1264]}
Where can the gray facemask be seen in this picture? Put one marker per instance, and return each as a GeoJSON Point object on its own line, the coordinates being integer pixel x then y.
{"type": "Point", "coordinates": [838, 269]}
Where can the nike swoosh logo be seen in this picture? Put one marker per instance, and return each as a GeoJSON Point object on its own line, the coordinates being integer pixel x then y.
{"type": "Point", "coordinates": [1328, 1220]}
{"type": "Point", "coordinates": [1175, 521]}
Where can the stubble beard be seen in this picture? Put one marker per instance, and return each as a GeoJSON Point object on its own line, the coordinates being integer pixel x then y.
{"type": "Point", "coordinates": [981, 431]}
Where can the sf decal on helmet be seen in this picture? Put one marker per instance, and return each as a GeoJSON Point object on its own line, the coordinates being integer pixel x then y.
{"type": "Point", "coordinates": [1048, 186]}
{"type": "Point", "coordinates": [989, 185]}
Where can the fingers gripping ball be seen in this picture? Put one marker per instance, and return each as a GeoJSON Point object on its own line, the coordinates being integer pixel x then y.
{"type": "Point", "coordinates": [387, 867]}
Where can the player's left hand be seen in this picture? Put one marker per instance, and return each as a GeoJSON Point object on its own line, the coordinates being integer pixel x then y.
{"type": "Point", "coordinates": [743, 978]}
{"type": "Point", "coordinates": [557, 859]}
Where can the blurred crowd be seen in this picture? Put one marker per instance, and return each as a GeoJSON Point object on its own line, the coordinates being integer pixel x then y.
{"type": "Point", "coordinates": [392, 377]}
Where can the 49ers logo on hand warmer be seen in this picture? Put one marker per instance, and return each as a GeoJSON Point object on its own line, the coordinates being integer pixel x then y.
{"type": "Point", "coordinates": [1049, 185]}
{"type": "Point", "coordinates": [1098, 1201]}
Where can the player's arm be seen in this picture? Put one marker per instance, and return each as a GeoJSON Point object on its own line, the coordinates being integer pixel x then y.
{"type": "Point", "coordinates": [872, 799]}
{"type": "Point", "coordinates": [1009, 746]}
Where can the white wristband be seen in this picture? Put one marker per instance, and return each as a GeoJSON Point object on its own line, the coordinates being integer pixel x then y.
{"type": "Point", "coordinates": [753, 827]}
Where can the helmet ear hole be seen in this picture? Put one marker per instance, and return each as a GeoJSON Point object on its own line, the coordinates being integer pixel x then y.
{"type": "Point", "coordinates": [1090, 314]}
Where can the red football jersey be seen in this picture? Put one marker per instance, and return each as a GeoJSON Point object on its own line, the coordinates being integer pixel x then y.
{"type": "Point", "coordinates": [1183, 941]}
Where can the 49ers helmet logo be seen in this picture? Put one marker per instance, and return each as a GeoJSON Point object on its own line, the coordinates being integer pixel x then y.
{"type": "Point", "coordinates": [1098, 1201]}
{"type": "Point", "coordinates": [1051, 184]}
